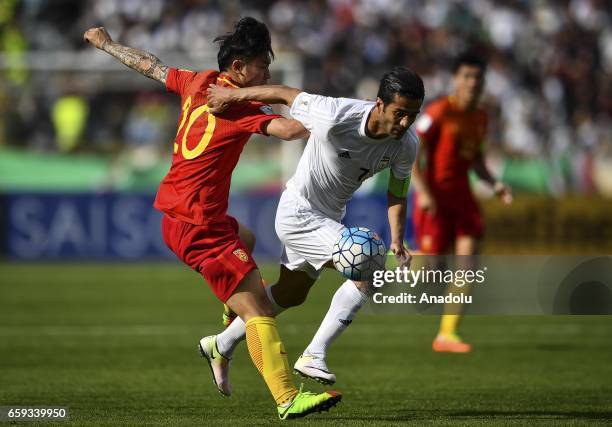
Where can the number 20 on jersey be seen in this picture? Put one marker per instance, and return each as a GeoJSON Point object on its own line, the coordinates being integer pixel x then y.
{"type": "Point", "coordinates": [202, 110]}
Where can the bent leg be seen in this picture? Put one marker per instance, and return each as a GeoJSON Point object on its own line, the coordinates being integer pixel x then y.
{"type": "Point", "coordinates": [345, 304]}
{"type": "Point", "coordinates": [290, 290]}
{"type": "Point", "coordinates": [250, 302]}
{"type": "Point", "coordinates": [248, 239]}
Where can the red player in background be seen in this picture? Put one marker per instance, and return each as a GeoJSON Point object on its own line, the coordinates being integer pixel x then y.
{"type": "Point", "coordinates": [447, 218]}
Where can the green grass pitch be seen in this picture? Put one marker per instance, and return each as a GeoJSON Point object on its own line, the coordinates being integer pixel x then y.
{"type": "Point", "coordinates": [116, 343]}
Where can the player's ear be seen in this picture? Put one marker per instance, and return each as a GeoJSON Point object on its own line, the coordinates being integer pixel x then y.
{"type": "Point", "coordinates": [238, 66]}
{"type": "Point", "coordinates": [380, 105]}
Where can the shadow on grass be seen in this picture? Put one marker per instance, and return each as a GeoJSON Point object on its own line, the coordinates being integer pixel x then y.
{"type": "Point", "coordinates": [483, 415]}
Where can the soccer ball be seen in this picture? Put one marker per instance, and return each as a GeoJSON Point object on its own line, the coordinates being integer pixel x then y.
{"type": "Point", "coordinates": [358, 253]}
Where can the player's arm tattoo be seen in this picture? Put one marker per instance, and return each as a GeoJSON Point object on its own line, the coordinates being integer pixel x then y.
{"type": "Point", "coordinates": [145, 63]}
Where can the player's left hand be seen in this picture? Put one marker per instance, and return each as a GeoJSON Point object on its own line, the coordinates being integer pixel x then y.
{"type": "Point", "coordinates": [402, 255]}
{"type": "Point", "coordinates": [97, 36]}
{"type": "Point", "coordinates": [218, 98]}
{"type": "Point", "coordinates": [503, 192]}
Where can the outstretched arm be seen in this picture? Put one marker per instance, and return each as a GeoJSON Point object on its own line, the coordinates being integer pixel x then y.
{"type": "Point", "coordinates": [286, 129]}
{"type": "Point", "coordinates": [145, 63]}
{"type": "Point", "coordinates": [219, 97]}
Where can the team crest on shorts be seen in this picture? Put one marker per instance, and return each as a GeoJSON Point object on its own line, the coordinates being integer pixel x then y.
{"type": "Point", "coordinates": [241, 255]}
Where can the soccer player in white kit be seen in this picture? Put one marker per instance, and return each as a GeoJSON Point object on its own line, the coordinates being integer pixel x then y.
{"type": "Point", "coordinates": [350, 141]}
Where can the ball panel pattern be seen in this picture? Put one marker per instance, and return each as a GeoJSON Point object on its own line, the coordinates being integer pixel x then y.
{"type": "Point", "coordinates": [358, 253]}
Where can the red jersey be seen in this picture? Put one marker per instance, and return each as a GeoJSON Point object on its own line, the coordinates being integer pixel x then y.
{"type": "Point", "coordinates": [206, 149]}
{"type": "Point", "coordinates": [454, 139]}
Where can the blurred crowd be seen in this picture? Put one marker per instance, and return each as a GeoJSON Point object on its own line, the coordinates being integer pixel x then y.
{"type": "Point", "coordinates": [549, 82]}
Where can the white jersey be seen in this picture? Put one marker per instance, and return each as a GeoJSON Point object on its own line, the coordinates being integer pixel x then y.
{"type": "Point", "coordinates": [339, 155]}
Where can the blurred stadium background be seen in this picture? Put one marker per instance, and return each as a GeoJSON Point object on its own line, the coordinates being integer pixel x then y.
{"type": "Point", "coordinates": [73, 121]}
{"type": "Point", "coordinates": [85, 141]}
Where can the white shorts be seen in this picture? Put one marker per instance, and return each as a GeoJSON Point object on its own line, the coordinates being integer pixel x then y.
{"type": "Point", "coordinates": [306, 234]}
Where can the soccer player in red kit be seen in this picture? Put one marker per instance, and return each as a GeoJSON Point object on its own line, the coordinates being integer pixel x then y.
{"type": "Point", "coordinates": [451, 132]}
{"type": "Point", "coordinates": [194, 195]}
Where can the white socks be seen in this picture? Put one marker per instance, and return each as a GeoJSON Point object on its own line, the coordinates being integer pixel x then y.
{"type": "Point", "coordinates": [345, 304]}
{"type": "Point", "coordinates": [236, 331]}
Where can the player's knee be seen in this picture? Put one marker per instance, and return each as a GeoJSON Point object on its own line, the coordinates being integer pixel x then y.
{"type": "Point", "coordinates": [292, 287]}
{"type": "Point", "coordinates": [250, 299]}
{"type": "Point", "coordinates": [291, 295]}
{"type": "Point", "coordinates": [259, 306]}
{"type": "Point", "coordinates": [298, 298]}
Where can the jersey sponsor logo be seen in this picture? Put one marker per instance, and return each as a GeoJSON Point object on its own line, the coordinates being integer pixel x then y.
{"type": "Point", "coordinates": [345, 322]}
{"type": "Point", "coordinates": [266, 109]}
{"type": "Point", "coordinates": [241, 255]}
{"type": "Point", "coordinates": [384, 162]}
{"type": "Point", "coordinates": [344, 155]}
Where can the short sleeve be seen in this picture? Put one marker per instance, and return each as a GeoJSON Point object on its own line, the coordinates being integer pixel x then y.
{"type": "Point", "coordinates": [428, 124]}
{"type": "Point", "coordinates": [401, 165]}
{"type": "Point", "coordinates": [255, 116]}
{"type": "Point", "coordinates": [177, 80]}
{"type": "Point", "coordinates": [317, 113]}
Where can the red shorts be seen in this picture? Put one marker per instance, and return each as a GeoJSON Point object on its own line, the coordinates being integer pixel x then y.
{"type": "Point", "coordinates": [213, 250]}
{"type": "Point", "coordinates": [454, 217]}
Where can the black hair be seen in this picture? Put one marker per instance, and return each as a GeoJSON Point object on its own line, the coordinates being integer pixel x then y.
{"type": "Point", "coordinates": [471, 59]}
{"type": "Point", "coordinates": [401, 81]}
{"type": "Point", "coordinates": [249, 40]}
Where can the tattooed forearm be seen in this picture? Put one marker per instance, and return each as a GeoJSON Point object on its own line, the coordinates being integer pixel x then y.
{"type": "Point", "coordinates": [145, 63]}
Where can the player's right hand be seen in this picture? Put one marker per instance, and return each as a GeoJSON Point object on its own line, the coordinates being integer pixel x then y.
{"type": "Point", "coordinates": [97, 36]}
{"type": "Point", "coordinates": [427, 203]}
{"type": "Point", "coordinates": [503, 192]}
{"type": "Point", "coordinates": [219, 98]}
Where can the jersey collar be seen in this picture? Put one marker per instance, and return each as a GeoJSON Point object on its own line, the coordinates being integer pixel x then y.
{"type": "Point", "coordinates": [226, 80]}
{"type": "Point", "coordinates": [364, 123]}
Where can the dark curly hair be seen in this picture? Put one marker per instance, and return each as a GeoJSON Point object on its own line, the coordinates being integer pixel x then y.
{"type": "Point", "coordinates": [400, 81]}
{"type": "Point", "coordinates": [249, 40]}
